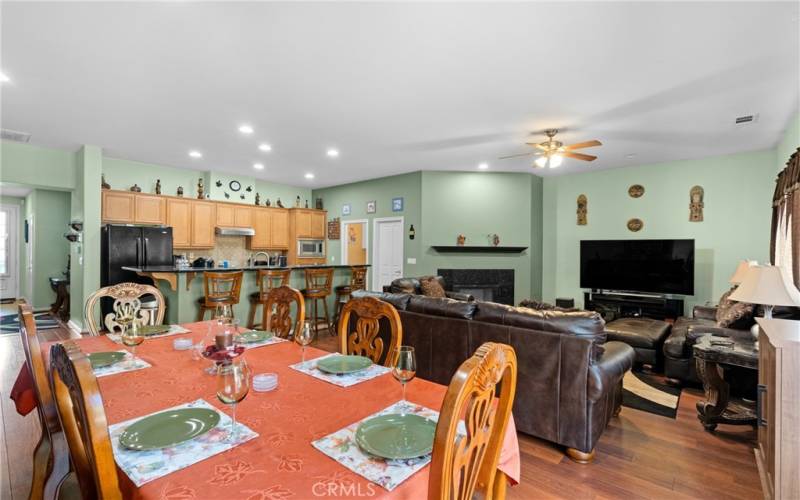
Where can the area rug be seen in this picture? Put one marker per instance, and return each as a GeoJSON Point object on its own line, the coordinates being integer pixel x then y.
{"type": "Point", "coordinates": [9, 323]}
{"type": "Point", "coordinates": [643, 392]}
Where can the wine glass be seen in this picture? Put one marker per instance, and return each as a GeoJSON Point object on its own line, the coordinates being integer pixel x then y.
{"type": "Point", "coordinates": [233, 384]}
{"type": "Point", "coordinates": [131, 336]}
{"type": "Point", "coordinates": [223, 312]}
{"type": "Point", "coordinates": [304, 337]}
{"type": "Point", "coordinates": [405, 368]}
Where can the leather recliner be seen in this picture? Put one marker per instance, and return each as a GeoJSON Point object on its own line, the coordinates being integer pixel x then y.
{"type": "Point", "coordinates": [569, 379]}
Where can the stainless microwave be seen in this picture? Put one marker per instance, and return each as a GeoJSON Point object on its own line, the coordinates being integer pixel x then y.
{"type": "Point", "coordinates": [311, 248]}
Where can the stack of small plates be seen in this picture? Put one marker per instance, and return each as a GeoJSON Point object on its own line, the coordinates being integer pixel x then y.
{"type": "Point", "coordinates": [265, 382]}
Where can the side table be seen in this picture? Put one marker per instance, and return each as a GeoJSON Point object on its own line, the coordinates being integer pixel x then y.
{"type": "Point", "coordinates": [712, 359]}
{"type": "Point", "coordinates": [60, 307]}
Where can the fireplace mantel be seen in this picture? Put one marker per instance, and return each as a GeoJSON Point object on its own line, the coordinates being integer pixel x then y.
{"type": "Point", "coordinates": [476, 249]}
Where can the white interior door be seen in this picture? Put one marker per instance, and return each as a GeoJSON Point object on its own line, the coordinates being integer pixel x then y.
{"type": "Point", "coordinates": [9, 244]}
{"type": "Point", "coordinates": [388, 255]}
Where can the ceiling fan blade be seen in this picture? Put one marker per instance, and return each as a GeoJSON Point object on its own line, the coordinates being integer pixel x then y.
{"type": "Point", "coordinates": [581, 145]}
{"type": "Point", "coordinates": [537, 145]}
{"type": "Point", "coordinates": [579, 156]}
{"type": "Point", "coordinates": [515, 156]}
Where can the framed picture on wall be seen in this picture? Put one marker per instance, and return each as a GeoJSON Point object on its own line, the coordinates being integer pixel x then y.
{"type": "Point", "coordinates": [371, 207]}
{"type": "Point", "coordinates": [346, 209]}
{"type": "Point", "coordinates": [397, 204]}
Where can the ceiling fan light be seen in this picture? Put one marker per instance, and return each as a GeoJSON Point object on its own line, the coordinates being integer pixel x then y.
{"type": "Point", "coordinates": [555, 161]}
{"type": "Point", "coordinates": [541, 162]}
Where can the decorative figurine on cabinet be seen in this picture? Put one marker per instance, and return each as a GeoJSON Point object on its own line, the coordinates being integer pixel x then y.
{"type": "Point", "coordinates": [158, 186]}
{"type": "Point", "coordinates": [136, 189]}
{"type": "Point", "coordinates": [696, 204]}
{"type": "Point", "coordinates": [268, 203]}
{"type": "Point", "coordinates": [461, 240]}
{"type": "Point", "coordinates": [279, 204]}
{"type": "Point", "coordinates": [200, 194]}
{"type": "Point", "coordinates": [583, 210]}
{"type": "Point", "coordinates": [180, 191]}
{"type": "Point", "coordinates": [306, 203]}
{"type": "Point", "coordinates": [297, 201]}
{"type": "Point", "coordinates": [103, 183]}
{"type": "Point", "coordinates": [258, 199]}
{"type": "Point", "coordinates": [494, 240]}
{"type": "Point", "coordinates": [318, 203]}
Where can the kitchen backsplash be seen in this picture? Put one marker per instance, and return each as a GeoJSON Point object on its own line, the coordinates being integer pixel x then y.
{"type": "Point", "coordinates": [231, 248]}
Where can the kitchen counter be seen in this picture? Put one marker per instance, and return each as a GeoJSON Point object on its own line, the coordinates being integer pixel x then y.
{"type": "Point", "coordinates": [176, 269]}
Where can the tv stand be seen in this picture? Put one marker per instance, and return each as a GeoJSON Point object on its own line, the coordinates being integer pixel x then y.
{"type": "Point", "coordinates": [613, 305]}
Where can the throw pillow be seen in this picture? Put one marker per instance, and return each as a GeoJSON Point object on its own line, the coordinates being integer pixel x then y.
{"type": "Point", "coordinates": [733, 314]}
{"type": "Point", "coordinates": [431, 288]}
{"type": "Point", "coordinates": [535, 304]}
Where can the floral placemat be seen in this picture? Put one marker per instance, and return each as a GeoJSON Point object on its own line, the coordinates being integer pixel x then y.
{"type": "Point", "coordinates": [173, 330]}
{"type": "Point", "coordinates": [122, 366]}
{"type": "Point", "coordinates": [145, 466]}
{"type": "Point", "coordinates": [272, 340]}
{"type": "Point", "coordinates": [341, 446]}
{"type": "Point", "coordinates": [310, 368]}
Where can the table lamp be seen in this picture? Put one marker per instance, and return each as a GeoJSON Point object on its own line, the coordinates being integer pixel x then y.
{"type": "Point", "coordinates": [769, 286]}
{"type": "Point", "coordinates": [741, 270]}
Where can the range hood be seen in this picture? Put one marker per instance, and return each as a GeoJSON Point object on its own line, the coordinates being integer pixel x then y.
{"type": "Point", "coordinates": [235, 231]}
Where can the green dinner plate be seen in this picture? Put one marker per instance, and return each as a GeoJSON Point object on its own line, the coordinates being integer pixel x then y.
{"type": "Point", "coordinates": [341, 365]}
{"type": "Point", "coordinates": [168, 428]}
{"type": "Point", "coordinates": [153, 330]}
{"type": "Point", "coordinates": [103, 359]}
{"type": "Point", "coordinates": [396, 437]}
{"type": "Point", "coordinates": [254, 336]}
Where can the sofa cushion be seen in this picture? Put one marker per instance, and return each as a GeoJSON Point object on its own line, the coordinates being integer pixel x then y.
{"type": "Point", "coordinates": [430, 287]}
{"type": "Point", "coordinates": [435, 306]}
{"type": "Point", "coordinates": [404, 285]}
{"type": "Point", "coordinates": [733, 314]}
{"type": "Point", "coordinates": [645, 333]}
{"type": "Point", "coordinates": [398, 300]}
{"type": "Point", "coordinates": [675, 345]}
{"type": "Point", "coordinates": [580, 323]}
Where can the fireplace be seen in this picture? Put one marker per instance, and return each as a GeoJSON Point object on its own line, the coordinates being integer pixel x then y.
{"type": "Point", "coordinates": [493, 285]}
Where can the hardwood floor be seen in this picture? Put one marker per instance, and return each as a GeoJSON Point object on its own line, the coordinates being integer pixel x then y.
{"type": "Point", "coordinates": [640, 455]}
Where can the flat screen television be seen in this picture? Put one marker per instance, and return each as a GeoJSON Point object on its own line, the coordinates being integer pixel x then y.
{"type": "Point", "coordinates": [649, 266]}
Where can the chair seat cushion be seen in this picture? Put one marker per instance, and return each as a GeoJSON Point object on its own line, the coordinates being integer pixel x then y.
{"type": "Point", "coordinates": [645, 333]}
{"type": "Point", "coordinates": [343, 289]}
{"type": "Point", "coordinates": [315, 291]}
{"type": "Point", "coordinates": [675, 345]}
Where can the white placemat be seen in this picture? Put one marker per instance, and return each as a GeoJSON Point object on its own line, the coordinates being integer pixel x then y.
{"type": "Point", "coordinates": [121, 366]}
{"type": "Point", "coordinates": [272, 340]}
{"type": "Point", "coordinates": [173, 330]}
{"type": "Point", "coordinates": [145, 466]}
{"type": "Point", "coordinates": [310, 368]}
{"type": "Point", "coordinates": [341, 446]}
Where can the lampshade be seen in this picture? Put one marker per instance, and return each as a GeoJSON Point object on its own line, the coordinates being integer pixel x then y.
{"type": "Point", "coordinates": [767, 285]}
{"type": "Point", "coordinates": [741, 270]}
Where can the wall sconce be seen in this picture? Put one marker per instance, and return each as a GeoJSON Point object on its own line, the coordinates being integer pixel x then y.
{"type": "Point", "coordinates": [76, 225]}
{"type": "Point", "coordinates": [411, 232]}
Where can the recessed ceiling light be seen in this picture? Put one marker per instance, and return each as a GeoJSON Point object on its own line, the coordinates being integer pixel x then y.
{"type": "Point", "coordinates": [195, 154]}
{"type": "Point", "coordinates": [309, 176]}
{"type": "Point", "coordinates": [4, 78]}
{"type": "Point", "coordinates": [246, 129]}
{"type": "Point", "coordinates": [333, 153]}
{"type": "Point", "coordinates": [258, 166]}
{"type": "Point", "coordinates": [483, 166]}
{"type": "Point", "coordinates": [264, 147]}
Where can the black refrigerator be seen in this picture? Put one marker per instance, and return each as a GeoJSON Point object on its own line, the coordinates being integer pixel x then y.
{"type": "Point", "coordinates": [132, 246]}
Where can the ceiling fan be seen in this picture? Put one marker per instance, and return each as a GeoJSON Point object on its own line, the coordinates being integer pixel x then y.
{"type": "Point", "coordinates": [551, 152]}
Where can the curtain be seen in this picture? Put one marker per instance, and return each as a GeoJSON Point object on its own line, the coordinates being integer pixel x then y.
{"type": "Point", "coordinates": [784, 246]}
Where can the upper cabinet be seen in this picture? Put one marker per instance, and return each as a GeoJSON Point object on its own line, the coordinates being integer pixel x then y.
{"type": "Point", "coordinates": [203, 216]}
{"type": "Point", "coordinates": [318, 225]}
{"type": "Point", "coordinates": [303, 223]}
{"type": "Point", "coordinates": [272, 229]}
{"type": "Point", "coordinates": [243, 217]}
{"type": "Point", "coordinates": [150, 209]}
{"type": "Point", "coordinates": [179, 217]}
{"type": "Point", "coordinates": [118, 206]}
{"type": "Point", "coordinates": [225, 215]}
{"type": "Point", "coordinates": [279, 228]}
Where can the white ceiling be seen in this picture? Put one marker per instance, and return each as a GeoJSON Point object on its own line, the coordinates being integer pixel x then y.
{"type": "Point", "coordinates": [7, 189]}
{"type": "Point", "coordinates": [398, 87]}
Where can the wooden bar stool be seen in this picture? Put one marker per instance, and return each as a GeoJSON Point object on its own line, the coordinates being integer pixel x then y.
{"type": "Point", "coordinates": [267, 279]}
{"type": "Point", "coordinates": [221, 288]}
{"type": "Point", "coordinates": [318, 286]}
{"type": "Point", "coordinates": [358, 281]}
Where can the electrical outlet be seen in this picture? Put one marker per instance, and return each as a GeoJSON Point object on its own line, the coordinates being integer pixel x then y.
{"type": "Point", "coordinates": [411, 260]}
{"type": "Point", "coordinates": [333, 258]}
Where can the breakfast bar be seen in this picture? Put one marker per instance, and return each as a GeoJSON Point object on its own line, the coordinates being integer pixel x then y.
{"type": "Point", "coordinates": [182, 290]}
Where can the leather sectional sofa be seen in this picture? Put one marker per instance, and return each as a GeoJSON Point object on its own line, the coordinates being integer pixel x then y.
{"type": "Point", "coordinates": [569, 378]}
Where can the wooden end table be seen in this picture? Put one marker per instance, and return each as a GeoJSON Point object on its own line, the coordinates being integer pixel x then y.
{"type": "Point", "coordinates": [712, 359]}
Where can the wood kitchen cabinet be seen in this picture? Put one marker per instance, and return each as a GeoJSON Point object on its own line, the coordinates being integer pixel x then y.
{"type": "Point", "coordinates": [271, 227]}
{"type": "Point", "coordinates": [305, 223]}
{"type": "Point", "coordinates": [150, 209]}
{"type": "Point", "coordinates": [226, 215]}
{"type": "Point", "coordinates": [318, 224]}
{"type": "Point", "coordinates": [279, 226]}
{"type": "Point", "coordinates": [203, 217]}
{"type": "Point", "coordinates": [179, 217]}
{"type": "Point", "coordinates": [118, 206]}
{"type": "Point", "coordinates": [302, 223]}
{"type": "Point", "coordinates": [242, 216]}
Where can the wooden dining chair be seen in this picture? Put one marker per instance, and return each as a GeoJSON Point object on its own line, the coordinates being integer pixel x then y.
{"type": "Point", "coordinates": [365, 340]}
{"type": "Point", "coordinates": [358, 281]}
{"type": "Point", "coordinates": [221, 288]}
{"type": "Point", "coordinates": [81, 413]}
{"type": "Point", "coordinates": [127, 304]}
{"type": "Point", "coordinates": [464, 466]}
{"type": "Point", "coordinates": [267, 279]}
{"type": "Point", "coordinates": [51, 456]}
{"type": "Point", "coordinates": [277, 314]}
{"type": "Point", "coordinates": [318, 287]}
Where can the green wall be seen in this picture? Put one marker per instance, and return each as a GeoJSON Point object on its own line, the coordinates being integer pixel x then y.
{"type": "Point", "coordinates": [35, 166]}
{"type": "Point", "coordinates": [789, 142]}
{"type": "Point", "coordinates": [738, 189]}
{"type": "Point", "coordinates": [51, 214]}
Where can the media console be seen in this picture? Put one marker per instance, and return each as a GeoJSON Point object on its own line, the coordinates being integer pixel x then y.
{"type": "Point", "coordinates": [613, 305]}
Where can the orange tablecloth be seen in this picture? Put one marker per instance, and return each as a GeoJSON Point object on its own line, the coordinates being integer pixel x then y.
{"type": "Point", "coordinates": [280, 463]}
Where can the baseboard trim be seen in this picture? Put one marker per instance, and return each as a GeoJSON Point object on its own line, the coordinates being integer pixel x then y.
{"type": "Point", "coordinates": [74, 328]}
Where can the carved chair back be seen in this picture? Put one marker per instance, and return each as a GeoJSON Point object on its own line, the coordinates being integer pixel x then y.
{"type": "Point", "coordinates": [364, 341]}
{"type": "Point", "coordinates": [358, 278]}
{"type": "Point", "coordinates": [80, 410]}
{"type": "Point", "coordinates": [50, 459]}
{"type": "Point", "coordinates": [127, 307]}
{"type": "Point", "coordinates": [463, 466]}
{"type": "Point", "coordinates": [318, 282]}
{"type": "Point", "coordinates": [222, 287]}
{"type": "Point", "coordinates": [269, 279]}
{"type": "Point", "coordinates": [277, 316]}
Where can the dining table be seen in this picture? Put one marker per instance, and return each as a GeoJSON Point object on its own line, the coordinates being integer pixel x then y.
{"type": "Point", "coordinates": [281, 462]}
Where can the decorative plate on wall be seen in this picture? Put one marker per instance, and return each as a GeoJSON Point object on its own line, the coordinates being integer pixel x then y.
{"type": "Point", "coordinates": [636, 191]}
{"type": "Point", "coordinates": [635, 225]}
